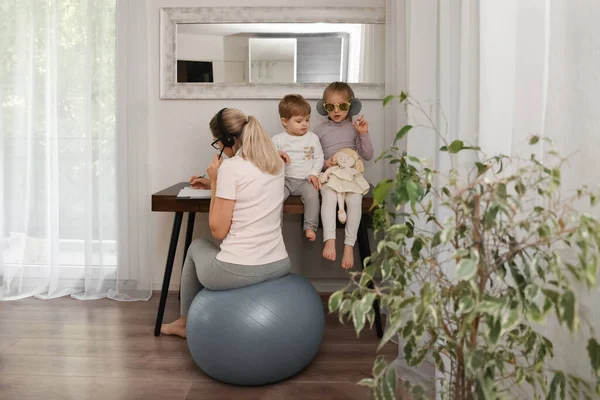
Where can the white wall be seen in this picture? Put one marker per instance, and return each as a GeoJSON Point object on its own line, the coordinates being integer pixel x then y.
{"type": "Point", "coordinates": [179, 146]}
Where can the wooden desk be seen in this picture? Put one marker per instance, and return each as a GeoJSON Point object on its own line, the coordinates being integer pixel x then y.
{"type": "Point", "coordinates": [166, 201]}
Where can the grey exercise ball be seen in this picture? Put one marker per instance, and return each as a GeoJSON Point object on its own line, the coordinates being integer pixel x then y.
{"type": "Point", "coordinates": [258, 334]}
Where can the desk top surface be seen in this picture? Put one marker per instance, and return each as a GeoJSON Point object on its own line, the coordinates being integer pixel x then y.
{"type": "Point", "coordinates": [166, 200]}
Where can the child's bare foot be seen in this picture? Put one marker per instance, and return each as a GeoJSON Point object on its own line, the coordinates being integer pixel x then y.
{"type": "Point", "coordinates": [174, 328]}
{"type": "Point", "coordinates": [310, 235]}
{"type": "Point", "coordinates": [348, 257]}
{"type": "Point", "coordinates": [342, 216]}
{"type": "Point", "coordinates": [329, 250]}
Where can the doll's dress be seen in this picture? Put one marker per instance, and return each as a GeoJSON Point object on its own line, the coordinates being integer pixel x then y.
{"type": "Point", "coordinates": [342, 180]}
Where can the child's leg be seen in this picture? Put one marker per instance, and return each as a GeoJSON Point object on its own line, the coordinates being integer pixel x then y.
{"type": "Point", "coordinates": [287, 191]}
{"type": "Point", "coordinates": [341, 211]}
{"type": "Point", "coordinates": [354, 213]}
{"type": "Point", "coordinates": [328, 206]}
{"type": "Point", "coordinates": [310, 198]}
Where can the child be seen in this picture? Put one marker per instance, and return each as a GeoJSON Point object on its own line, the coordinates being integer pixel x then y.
{"type": "Point", "coordinates": [302, 152]}
{"type": "Point", "coordinates": [339, 132]}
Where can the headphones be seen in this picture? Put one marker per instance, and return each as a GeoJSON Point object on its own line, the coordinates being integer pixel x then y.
{"type": "Point", "coordinates": [226, 137]}
{"type": "Point", "coordinates": [355, 107]}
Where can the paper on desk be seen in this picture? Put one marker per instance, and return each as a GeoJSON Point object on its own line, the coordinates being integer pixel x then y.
{"type": "Point", "coordinates": [191, 193]}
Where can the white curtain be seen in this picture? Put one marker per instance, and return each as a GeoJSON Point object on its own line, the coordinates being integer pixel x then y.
{"type": "Point", "coordinates": [502, 71]}
{"type": "Point", "coordinates": [59, 205]}
{"type": "Point", "coordinates": [372, 46]}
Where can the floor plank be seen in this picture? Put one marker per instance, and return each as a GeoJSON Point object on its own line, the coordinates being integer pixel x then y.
{"type": "Point", "coordinates": [278, 391]}
{"type": "Point", "coordinates": [69, 349]}
{"type": "Point", "coordinates": [23, 387]}
{"type": "Point", "coordinates": [7, 342]}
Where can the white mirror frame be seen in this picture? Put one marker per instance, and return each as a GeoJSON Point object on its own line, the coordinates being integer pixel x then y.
{"type": "Point", "coordinates": [170, 17]}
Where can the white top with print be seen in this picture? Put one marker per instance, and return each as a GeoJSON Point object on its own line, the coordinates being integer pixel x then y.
{"type": "Point", "coordinates": [306, 154]}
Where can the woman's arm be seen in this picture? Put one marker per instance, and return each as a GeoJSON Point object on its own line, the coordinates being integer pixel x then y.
{"type": "Point", "coordinates": [220, 214]}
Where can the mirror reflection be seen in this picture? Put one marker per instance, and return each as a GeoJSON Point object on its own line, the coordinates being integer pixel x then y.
{"type": "Point", "coordinates": [280, 53]}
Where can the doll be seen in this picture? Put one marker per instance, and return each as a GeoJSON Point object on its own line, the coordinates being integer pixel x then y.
{"type": "Point", "coordinates": [345, 177]}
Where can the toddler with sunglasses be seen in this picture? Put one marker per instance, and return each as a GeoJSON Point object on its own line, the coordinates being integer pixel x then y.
{"type": "Point", "coordinates": [302, 153]}
{"type": "Point", "coordinates": [338, 132]}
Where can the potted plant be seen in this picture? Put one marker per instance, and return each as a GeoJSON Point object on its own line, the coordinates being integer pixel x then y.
{"type": "Point", "coordinates": [470, 265]}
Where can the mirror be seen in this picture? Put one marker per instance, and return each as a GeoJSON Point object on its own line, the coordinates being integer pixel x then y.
{"type": "Point", "coordinates": [280, 53]}
{"type": "Point", "coordinates": [267, 52]}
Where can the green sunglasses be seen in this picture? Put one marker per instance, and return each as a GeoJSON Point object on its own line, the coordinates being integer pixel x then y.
{"type": "Point", "coordinates": [329, 107]}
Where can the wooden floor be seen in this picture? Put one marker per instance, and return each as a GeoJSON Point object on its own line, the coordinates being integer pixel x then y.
{"type": "Point", "coordinates": [69, 349]}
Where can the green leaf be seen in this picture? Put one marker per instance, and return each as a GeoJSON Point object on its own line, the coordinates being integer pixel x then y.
{"type": "Point", "coordinates": [466, 304]}
{"type": "Point", "coordinates": [495, 328]}
{"type": "Point", "coordinates": [533, 313]}
{"type": "Point", "coordinates": [388, 99]}
{"type": "Point", "coordinates": [489, 307]}
{"type": "Point", "coordinates": [534, 139]}
{"type": "Point", "coordinates": [456, 146]}
{"type": "Point", "coordinates": [557, 384]}
{"type": "Point", "coordinates": [481, 168]}
{"type": "Point", "coordinates": [466, 269]}
{"type": "Point", "coordinates": [358, 317]}
{"type": "Point", "coordinates": [593, 349]}
{"type": "Point", "coordinates": [437, 358]}
{"type": "Point", "coordinates": [568, 313]}
{"type": "Point", "coordinates": [520, 188]}
{"type": "Point", "coordinates": [510, 319]}
{"type": "Point", "coordinates": [402, 132]}
{"type": "Point", "coordinates": [368, 382]}
{"type": "Point", "coordinates": [335, 300]}
{"type": "Point", "coordinates": [379, 366]}
{"type": "Point", "coordinates": [388, 384]}
{"type": "Point", "coordinates": [380, 191]}
{"type": "Point", "coordinates": [386, 269]}
{"type": "Point", "coordinates": [520, 376]}
{"type": "Point", "coordinates": [501, 191]}
{"type": "Point", "coordinates": [413, 190]}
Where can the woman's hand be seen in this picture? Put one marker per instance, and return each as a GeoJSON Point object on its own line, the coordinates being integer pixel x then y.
{"type": "Point", "coordinates": [212, 169]}
{"type": "Point", "coordinates": [200, 182]}
{"type": "Point", "coordinates": [361, 125]}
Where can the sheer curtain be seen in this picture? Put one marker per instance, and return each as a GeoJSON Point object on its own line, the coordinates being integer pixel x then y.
{"type": "Point", "coordinates": [59, 208]}
{"type": "Point", "coordinates": [502, 71]}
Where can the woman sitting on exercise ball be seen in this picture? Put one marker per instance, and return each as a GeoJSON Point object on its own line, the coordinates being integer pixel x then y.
{"type": "Point", "coordinates": [245, 211]}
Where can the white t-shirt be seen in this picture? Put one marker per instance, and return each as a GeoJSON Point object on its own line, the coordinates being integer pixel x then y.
{"type": "Point", "coordinates": [255, 235]}
{"type": "Point", "coordinates": [306, 154]}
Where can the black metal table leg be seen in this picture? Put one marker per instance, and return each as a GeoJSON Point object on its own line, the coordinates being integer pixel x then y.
{"type": "Point", "coordinates": [168, 270]}
{"type": "Point", "coordinates": [365, 251]}
{"type": "Point", "coordinates": [188, 240]}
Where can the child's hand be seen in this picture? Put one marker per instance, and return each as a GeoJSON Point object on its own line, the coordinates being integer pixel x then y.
{"type": "Point", "coordinates": [361, 125]}
{"type": "Point", "coordinates": [330, 162]}
{"type": "Point", "coordinates": [284, 156]}
{"type": "Point", "coordinates": [324, 177]}
{"type": "Point", "coordinates": [315, 182]}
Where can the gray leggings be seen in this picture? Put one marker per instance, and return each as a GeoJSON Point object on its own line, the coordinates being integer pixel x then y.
{"type": "Point", "coordinates": [201, 269]}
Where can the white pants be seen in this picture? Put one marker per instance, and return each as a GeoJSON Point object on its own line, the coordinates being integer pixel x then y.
{"type": "Point", "coordinates": [329, 215]}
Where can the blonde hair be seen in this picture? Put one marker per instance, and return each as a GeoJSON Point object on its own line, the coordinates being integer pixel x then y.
{"type": "Point", "coordinates": [250, 136]}
{"type": "Point", "coordinates": [358, 164]}
{"type": "Point", "coordinates": [292, 105]}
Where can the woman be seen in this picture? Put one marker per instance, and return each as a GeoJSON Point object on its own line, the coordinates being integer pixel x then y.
{"type": "Point", "coordinates": [245, 211]}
